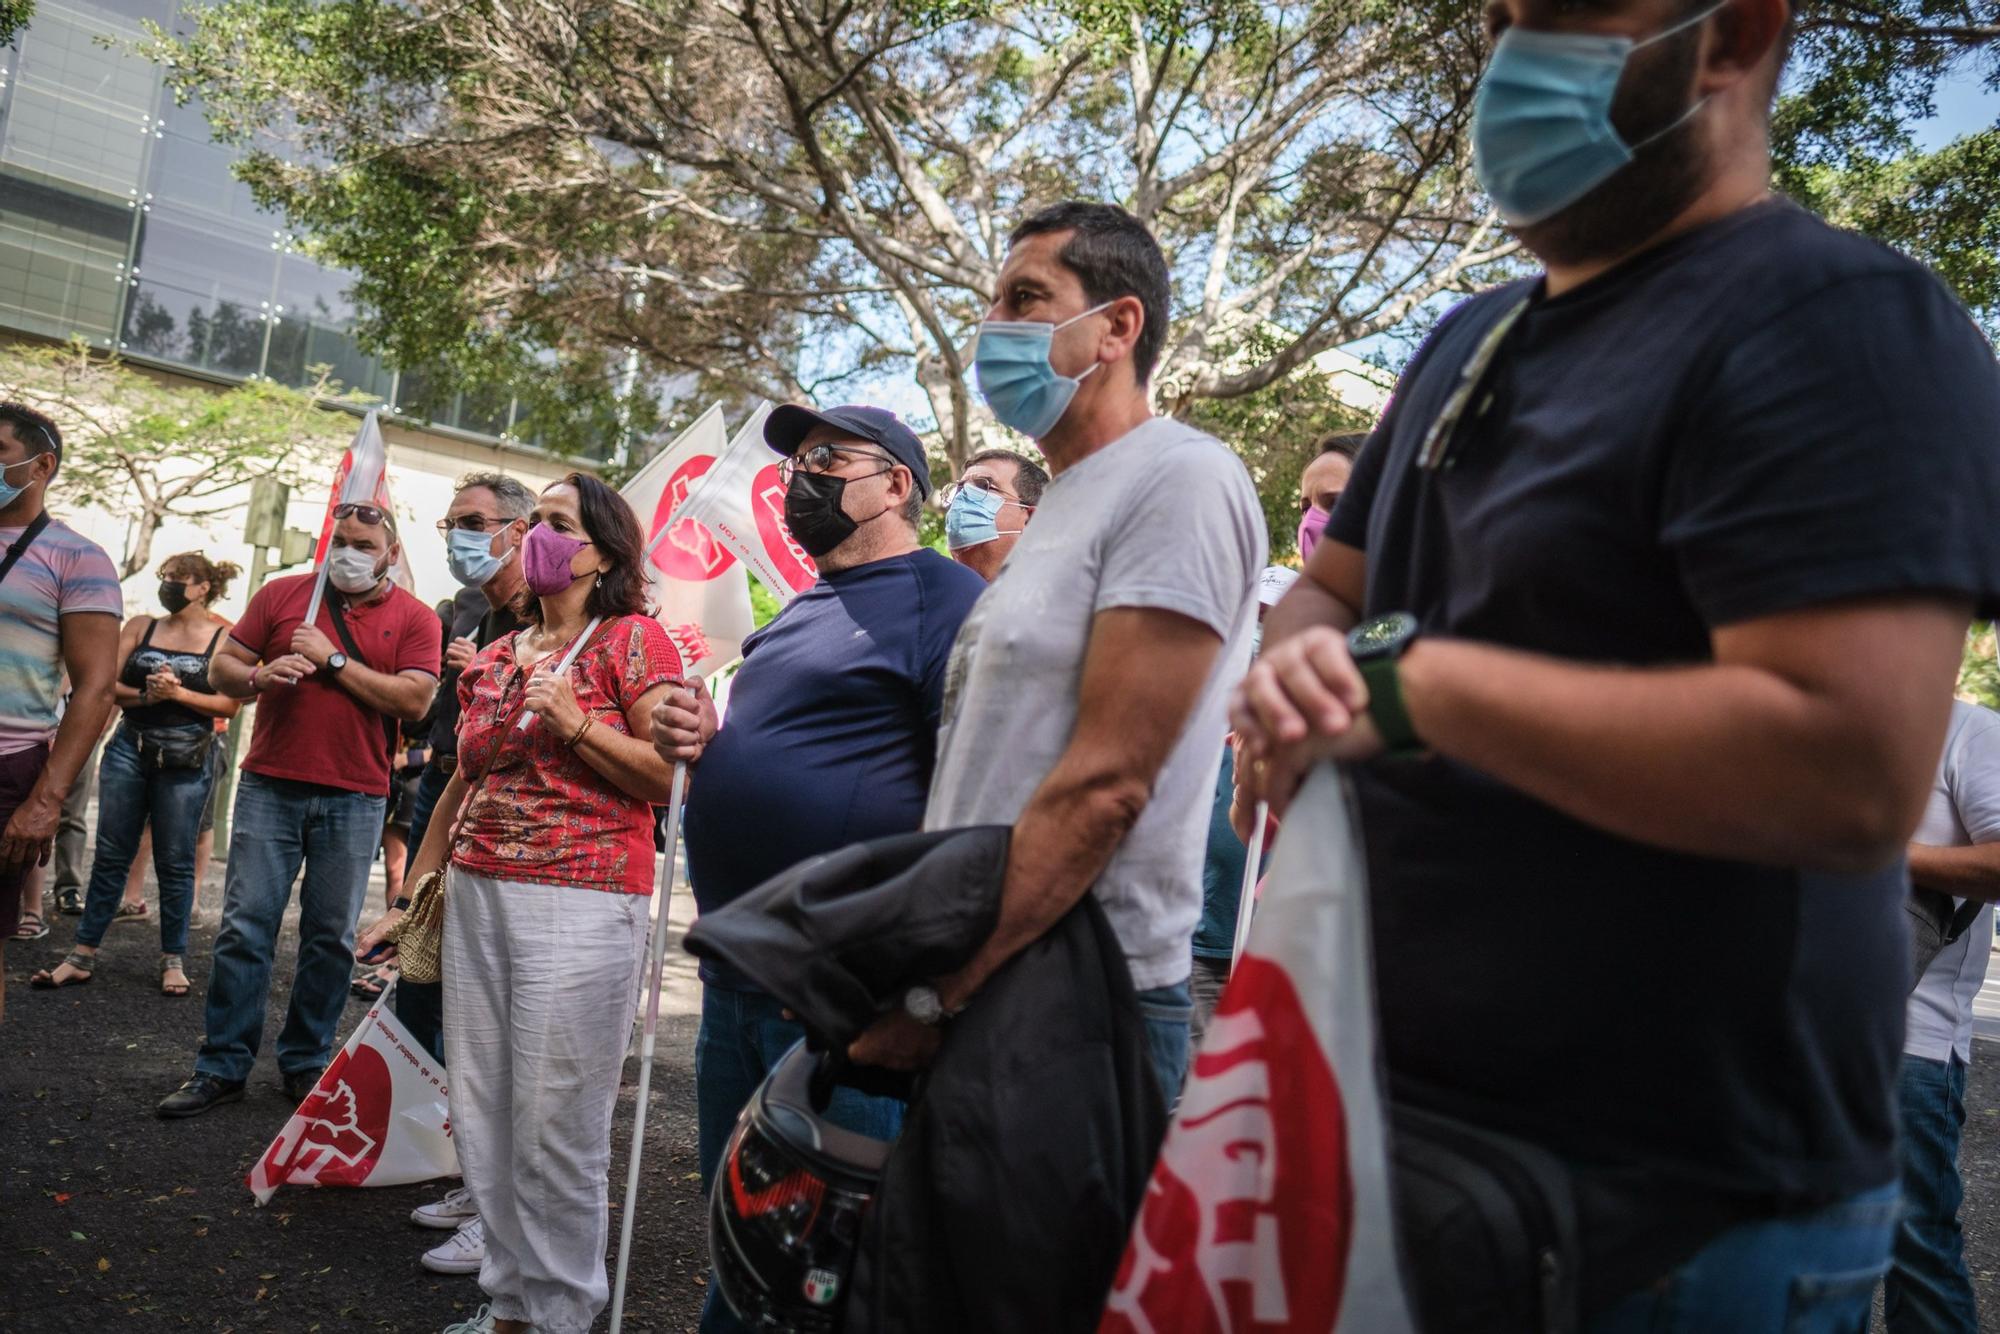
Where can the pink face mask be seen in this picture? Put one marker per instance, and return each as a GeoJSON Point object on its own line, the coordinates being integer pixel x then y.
{"type": "Point", "coordinates": [1310, 530]}
{"type": "Point", "coordinates": [545, 558]}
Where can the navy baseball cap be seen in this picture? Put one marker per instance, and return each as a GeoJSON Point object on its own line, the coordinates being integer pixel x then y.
{"type": "Point", "coordinates": [787, 427]}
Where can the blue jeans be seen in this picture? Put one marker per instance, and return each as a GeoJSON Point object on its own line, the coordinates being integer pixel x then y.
{"type": "Point", "coordinates": [279, 825]}
{"type": "Point", "coordinates": [126, 796]}
{"type": "Point", "coordinates": [1168, 1012]}
{"type": "Point", "coordinates": [420, 1005]}
{"type": "Point", "coordinates": [743, 1034]}
{"type": "Point", "coordinates": [1928, 1290]}
{"type": "Point", "coordinates": [1802, 1274]}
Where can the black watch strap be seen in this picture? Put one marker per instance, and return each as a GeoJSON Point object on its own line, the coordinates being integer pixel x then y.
{"type": "Point", "coordinates": [1386, 707]}
{"type": "Point", "coordinates": [402, 904]}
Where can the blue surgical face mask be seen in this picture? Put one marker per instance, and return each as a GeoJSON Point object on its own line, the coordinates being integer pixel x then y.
{"type": "Point", "coordinates": [470, 556]}
{"type": "Point", "coordinates": [1012, 365]}
{"type": "Point", "coordinates": [9, 493]}
{"type": "Point", "coordinates": [1542, 136]}
{"type": "Point", "coordinates": [974, 518]}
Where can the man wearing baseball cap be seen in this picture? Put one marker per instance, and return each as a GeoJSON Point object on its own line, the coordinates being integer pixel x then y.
{"type": "Point", "coordinates": [832, 728]}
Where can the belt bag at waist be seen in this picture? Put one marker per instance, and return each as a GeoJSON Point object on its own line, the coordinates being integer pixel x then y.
{"type": "Point", "coordinates": [162, 748]}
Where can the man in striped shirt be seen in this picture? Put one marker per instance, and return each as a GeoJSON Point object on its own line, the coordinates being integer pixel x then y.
{"type": "Point", "coordinates": [60, 608]}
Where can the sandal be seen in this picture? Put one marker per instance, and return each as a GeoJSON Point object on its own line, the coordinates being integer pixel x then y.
{"type": "Point", "coordinates": [69, 901]}
{"type": "Point", "coordinates": [171, 963]}
{"type": "Point", "coordinates": [45, 980]}
{"type": "Point", "coordinates": [133, 912]}
{"type": "Point", "coordinates": [32, 927]}
{"type": "Point", "coordinates": [370, 986]}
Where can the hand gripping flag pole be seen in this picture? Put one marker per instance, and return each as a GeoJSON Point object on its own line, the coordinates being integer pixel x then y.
{"type": "Point", "coordinates": [658, 963]}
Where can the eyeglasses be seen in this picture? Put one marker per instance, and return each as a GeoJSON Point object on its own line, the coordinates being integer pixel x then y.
{"type": "Point", "coordinates": [1436, 451]}
{"type": "Point", "coordinates": [473, 523]}
{"type": "Point", "coordinates": [368, 514]}
{"type": "Point", "coordinates": [986, 484]}
{"type": "Point", "coordinates": [820, 458]}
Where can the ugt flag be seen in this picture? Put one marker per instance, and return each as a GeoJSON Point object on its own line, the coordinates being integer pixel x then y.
{"type": "Point", "coordinates": [379, 1116]}
{"type": "Point", "coordinates": [741, 502]}
{"type": "Point", "coordinates": [697, 584]}
{"type": "Point", "coordinates": [1269, 1207]}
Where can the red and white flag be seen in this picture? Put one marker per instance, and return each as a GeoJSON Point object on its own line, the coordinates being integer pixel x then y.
{"type": "Point", "coordinates": [698, 585]}
{"type": "Point", "coordinates": [1269, 1208]}
{"type": "Point", "coordinates": [379, 1116]}
{"type": "Point", "coordinates": [741, 503]}
{"type": "Point", "coordinates": [361, 479]}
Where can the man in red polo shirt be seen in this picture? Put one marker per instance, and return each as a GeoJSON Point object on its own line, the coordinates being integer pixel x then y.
{"type": "Point", "coordinates": [329, 698]}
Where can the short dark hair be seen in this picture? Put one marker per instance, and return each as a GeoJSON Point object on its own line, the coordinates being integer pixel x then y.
{"type": "Point", "coordinates": [1347, 444]}
{"type": "Point", "coordinates": [516, 500]}
{"type": "Point", "coordinates": [1029, 478]}
{"type": "Point", "coordinates": [621, 589]}
{"type": "Point", "coordinates": [1113, 255]}
{"type": "Point", "coordinates": [36, 430]}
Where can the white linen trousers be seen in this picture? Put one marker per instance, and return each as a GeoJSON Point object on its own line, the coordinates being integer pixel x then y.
{"type": "Point", "coordinates": [541, 983]}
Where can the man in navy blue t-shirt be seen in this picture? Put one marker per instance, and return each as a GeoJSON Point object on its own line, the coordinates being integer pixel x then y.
{"type": "Point", "coordinates": [831, 734]}
{"type": "Point", "coordinates": [1681, 538]}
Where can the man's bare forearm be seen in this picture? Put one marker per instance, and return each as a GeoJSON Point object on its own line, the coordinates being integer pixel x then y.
{"type": "Point", "coordinates": [231, 675]}
{"type": "Point", "coordinates": [1062, 843]}
{"type": "Point", "coordinates": [1964, 873]}
{"type": "Point", "coordinates": [406, 698]}
{"type": "Point", "coordinates": [1713, 759]}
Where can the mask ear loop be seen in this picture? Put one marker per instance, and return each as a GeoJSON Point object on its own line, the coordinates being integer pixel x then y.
{"type": "Point", "coordinates": [1694, 110]}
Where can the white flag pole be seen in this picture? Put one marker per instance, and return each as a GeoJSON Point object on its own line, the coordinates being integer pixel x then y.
{"type": "Point", "coordinates": [1246, 901]}
{"type": "Point", "coordinates": [657, 963]}
{"type": "Point", "coordinates": [319, 594]}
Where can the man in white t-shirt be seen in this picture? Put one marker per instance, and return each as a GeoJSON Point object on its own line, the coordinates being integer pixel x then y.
{"type": "Point", "coordinates": [1956, 851]}
{"type": "Point", "coordinates": [1085, 697]}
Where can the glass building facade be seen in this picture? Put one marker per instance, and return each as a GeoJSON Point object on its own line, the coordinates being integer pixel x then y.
{"type": "Point", "coordinates": [120, 222]}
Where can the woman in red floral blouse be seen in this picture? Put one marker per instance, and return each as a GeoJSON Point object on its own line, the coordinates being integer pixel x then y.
{"type": "Point", "coordinates": [551, 869]}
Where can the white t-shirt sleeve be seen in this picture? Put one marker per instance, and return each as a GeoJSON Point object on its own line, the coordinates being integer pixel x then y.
{"type": "Point", "coordinates": [1974, 779]}
{"type": "Point", "coordinates": [1190, 539]}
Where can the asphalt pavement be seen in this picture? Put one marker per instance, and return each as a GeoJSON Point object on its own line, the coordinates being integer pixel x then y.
{"type": "Point", "coordinates": [113, 1220]}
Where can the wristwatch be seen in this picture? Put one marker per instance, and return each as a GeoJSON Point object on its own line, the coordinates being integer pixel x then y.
{"type": "Point", "coordinates": [924, 1005]}
{"type": "Point", "coordinates": [1376, 646]}
{"type": "Point", "coordinates": [335, 660]}
{"type": "Point", "coordinates": [402, 903]}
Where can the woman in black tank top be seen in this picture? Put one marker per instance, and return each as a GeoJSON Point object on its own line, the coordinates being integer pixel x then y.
{"type": "Point", "coordinates": [156, 766]}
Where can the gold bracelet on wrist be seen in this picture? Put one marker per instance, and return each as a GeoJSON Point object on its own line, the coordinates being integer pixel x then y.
{"type": "Point", "coordinates": [587, 721]}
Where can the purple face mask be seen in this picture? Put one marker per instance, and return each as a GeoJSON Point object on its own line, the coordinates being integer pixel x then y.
{"type": "Point", "coordinates": [545, 558]}
{"type": "Point", "coordinates": [1310, 529]}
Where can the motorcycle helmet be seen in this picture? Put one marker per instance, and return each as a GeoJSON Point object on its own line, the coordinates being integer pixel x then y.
{"type": "Point", "coordinates": [785, 1212]}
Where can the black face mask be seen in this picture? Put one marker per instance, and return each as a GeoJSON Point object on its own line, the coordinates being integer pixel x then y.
{"type": "Point", "coordinates": [813, 512]}
{"type": "Point", "coordinates": [173, 594]}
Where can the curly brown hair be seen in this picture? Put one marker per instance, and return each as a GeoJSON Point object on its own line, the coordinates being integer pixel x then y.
{"type": "Point", "coordinates": [196, 567]}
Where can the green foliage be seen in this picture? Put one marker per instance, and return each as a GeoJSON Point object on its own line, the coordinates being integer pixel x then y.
{"type": "Point", "coordinates": [1277, 431]}
{"type": "Point", "coordinates": [146, 449]}
{"type": "Point", "coordinates": [764, 604]}
{"type": "Point", "coordinates": [1979, 672]}
{"type": "Point", "coordinates": [14, 16]}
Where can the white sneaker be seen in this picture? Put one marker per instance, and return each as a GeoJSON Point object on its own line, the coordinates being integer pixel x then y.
{"type": "Point", "coordinates": [449, 1214]}
{"type": "Point", "coordinates": [481, 1323]}
{"type": "Point", "coordinates": [460, 1253]}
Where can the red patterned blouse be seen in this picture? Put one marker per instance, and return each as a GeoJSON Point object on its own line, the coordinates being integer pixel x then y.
{"type": "Point", "coordinates": [543, 814]}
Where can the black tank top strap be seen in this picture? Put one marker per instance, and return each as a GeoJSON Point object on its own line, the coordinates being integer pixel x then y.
{"type": "Point", "coordinates": [213, 640]}
{"type": "Point", "coordinates": [152, 624]}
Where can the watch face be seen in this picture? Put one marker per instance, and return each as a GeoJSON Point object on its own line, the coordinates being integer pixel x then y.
{"type": "Point", "coordinates": [1382, 636]}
